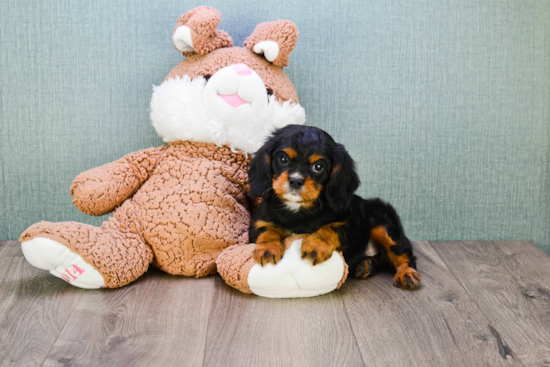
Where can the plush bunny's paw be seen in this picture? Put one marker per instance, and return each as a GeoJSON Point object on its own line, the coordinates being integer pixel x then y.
{"type": "Point", "coordinates": [47, 254]}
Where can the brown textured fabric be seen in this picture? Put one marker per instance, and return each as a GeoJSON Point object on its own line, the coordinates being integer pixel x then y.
{"type": "Point", "coordinates": [235, 262]}
{"type": "Point", "coordinates": [284, 32]}
{"type": "Point", "coordinates": [190, 207]}
{"type": "Point", "coordinates": [346, 271]}
{"type": "Point", "coordinates": [206, 65]}
{"type": "Point", "coordinates": [202, 22]}
{"type": "Point", "coordinates": [100, 190]}
{"type": "Point", "coordinates": [194, 206]}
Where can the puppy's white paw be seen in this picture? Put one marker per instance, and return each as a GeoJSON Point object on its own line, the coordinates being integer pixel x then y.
{"type": "Point", "coordinates": [47, 254]}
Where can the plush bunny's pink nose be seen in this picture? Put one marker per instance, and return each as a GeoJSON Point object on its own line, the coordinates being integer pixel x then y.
{"type": "Point", "coordinates": [242, 69]}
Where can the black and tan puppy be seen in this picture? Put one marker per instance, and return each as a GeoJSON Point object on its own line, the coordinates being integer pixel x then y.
{"type": "Point", "coordinates": [306, 182]}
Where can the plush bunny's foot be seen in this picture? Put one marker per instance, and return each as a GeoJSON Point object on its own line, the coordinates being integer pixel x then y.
{"type": "Point", "coordinates": [47, 254]}
{"type": "Point", "coordinates": [88, 256]}
{"type": "Point", "coordinates": [292, 277]}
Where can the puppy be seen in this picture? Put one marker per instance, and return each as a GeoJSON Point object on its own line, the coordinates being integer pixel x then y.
{"type": "Point", "coordinates": [306, 183]}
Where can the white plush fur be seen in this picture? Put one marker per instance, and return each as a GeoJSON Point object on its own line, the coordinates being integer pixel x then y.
{"type": "Point", "coordinates": [185, 109]}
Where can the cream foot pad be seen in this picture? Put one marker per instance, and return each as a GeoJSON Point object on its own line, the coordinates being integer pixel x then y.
{"type": "Point", "coordinates": [292, 277]}
{"type": "Point", "coordinates": [47, 254]}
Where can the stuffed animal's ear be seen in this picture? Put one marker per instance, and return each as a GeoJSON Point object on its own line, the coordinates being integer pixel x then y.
{"type": "Point", "coordinates": [275, 40]}
{"type": "Point", "coordinates": [195, 31]}
{"type": "Point", "coordinates": [343, 181]}
{"type": "Point", "coordinates": [259, 173]}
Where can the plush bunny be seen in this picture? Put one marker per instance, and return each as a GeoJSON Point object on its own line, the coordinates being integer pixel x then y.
{"type": "Point", "coordinates": [179, 206]}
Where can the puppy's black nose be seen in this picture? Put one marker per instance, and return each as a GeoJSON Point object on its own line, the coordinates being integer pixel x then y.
{"type": "Point", "coordinates": [296, 182]}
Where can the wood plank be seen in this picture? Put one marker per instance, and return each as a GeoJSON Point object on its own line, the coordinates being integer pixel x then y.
{"type": "Point", "coordinates": [247, 330]}
{"type": "Point", "coordinates": [34, 306]}
{"type": "Point", "coordinates": [436, 325]}
{"type": "Point", "coordinates": [158, 320]}
{"type": "Point", "coordinates": [510, 281]}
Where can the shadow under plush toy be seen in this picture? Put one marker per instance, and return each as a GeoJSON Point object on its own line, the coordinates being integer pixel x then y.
{"type": "Point", "coordinates": [179, 206]}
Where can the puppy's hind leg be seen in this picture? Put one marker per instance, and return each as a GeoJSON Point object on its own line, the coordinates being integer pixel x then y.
{"type": "Point", "coordinates": [369, 264]}
{"type": "Point", "coordinates": [400, 256]}
{"type": "Point", "coordinates": [387, 233]}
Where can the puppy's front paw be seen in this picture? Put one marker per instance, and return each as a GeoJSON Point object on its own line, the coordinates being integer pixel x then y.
{"type": "Point", "coordinates": [271, 252]}
{"type": "Point", "coordinates": [407, 278]}
{"type": "Point", "coordinates": [316, 249]}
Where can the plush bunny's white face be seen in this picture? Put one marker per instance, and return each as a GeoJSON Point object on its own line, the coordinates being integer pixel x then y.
{"type": "Point", "coordinates": [234, 93]}
{"type": "Point", "coordinates": [231, 108]}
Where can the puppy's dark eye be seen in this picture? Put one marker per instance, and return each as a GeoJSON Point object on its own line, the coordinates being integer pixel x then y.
{"type": "Point", "coordinates": [318, 167]}
{"type": "Point", "coordinates": [284, 160]}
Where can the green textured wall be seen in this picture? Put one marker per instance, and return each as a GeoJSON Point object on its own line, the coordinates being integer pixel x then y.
{"type": "Point", "coordinates": [445, 105]}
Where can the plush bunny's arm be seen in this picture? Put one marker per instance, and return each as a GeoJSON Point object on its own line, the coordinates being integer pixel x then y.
{"type": "Point", "coordinates": [100, 190]}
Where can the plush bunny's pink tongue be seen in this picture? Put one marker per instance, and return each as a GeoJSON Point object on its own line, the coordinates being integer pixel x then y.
{"type": "Point", "coordinates": [233, 100]}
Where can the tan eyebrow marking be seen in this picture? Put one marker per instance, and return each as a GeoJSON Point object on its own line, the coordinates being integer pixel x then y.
{"type": "Point", "coordinates": [314, 158]}
{"type": "Point", "coordinates": [290, 152]}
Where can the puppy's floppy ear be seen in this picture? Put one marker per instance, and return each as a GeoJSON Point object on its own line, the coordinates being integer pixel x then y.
{"type": "Point", "coordinates": [259, 173]}
{"type": "Point", "coordinates": [343, 180]}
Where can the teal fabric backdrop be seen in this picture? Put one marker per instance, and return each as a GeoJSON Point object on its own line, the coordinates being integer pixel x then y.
{"type": "Point", "coordinates": [445, 105]}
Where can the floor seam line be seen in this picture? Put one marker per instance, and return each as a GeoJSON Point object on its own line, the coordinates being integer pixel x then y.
{"type": "Point", "coordinates": [208, 322]}
{"type": "Point", "coordinates": [351, 327]}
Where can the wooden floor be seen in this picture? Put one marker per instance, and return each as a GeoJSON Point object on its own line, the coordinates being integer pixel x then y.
{"type": "Point", "coordinates": [481, 303]}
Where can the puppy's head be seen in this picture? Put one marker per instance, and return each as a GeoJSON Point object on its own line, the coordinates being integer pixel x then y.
{"type": "Point", "coordinates": [302, 165]}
